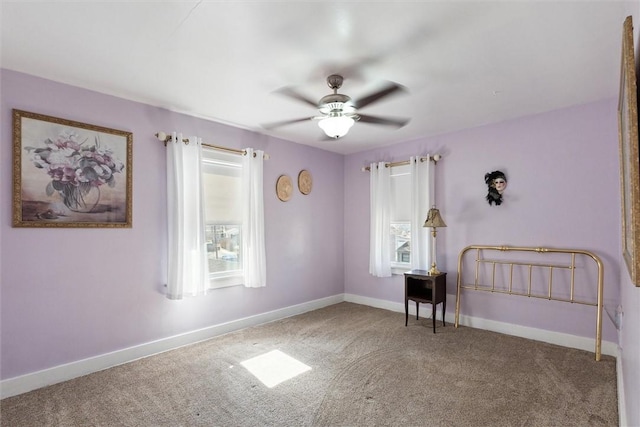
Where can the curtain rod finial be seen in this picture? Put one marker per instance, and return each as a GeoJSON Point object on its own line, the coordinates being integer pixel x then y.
{"type": "Point", "coordinates": [163, 137]}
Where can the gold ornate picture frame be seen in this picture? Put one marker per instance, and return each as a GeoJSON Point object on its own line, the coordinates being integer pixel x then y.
{"type": "Point", "coordinates": [70, 174]}
{"type": "Point", "coordinates": [629, 158]}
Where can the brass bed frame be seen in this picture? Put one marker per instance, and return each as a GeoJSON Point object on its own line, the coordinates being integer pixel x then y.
{"type": "Point", "coordinates": [530, 292]}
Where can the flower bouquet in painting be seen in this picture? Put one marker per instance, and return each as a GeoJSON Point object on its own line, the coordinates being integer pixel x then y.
{"type": "Point", "coordinates": [77, 169]}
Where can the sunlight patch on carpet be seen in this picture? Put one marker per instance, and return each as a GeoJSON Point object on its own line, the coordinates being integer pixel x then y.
{"type": "Point", "coordinates": [274, 367]}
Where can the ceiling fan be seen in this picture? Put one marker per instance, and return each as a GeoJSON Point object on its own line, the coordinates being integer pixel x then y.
{"type": "Point", "coordinates": [339, 112]}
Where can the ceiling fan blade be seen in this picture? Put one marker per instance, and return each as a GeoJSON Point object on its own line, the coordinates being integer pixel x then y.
{"type": "Point", "coordinates": [292, 93]}
{"type": "Point", "coordinates": [386, 90]}
{"type": "Point", "coordinates": [274, 125]}
{"type": "Point", "coordinates": [388, 121]}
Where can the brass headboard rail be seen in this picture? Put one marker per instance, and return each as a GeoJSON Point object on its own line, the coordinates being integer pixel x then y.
{"type": "Point", "coordinates": [530, 293]}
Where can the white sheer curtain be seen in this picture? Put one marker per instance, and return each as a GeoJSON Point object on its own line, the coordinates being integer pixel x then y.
{"type": "Point", "coordinates": [188, 267]}
{"type": "Point", "coordinates": [422, 198]}
{"type": "Point", "coordinates": [380, 233]}
{"type": "Point", "coordinates": [254, 263]}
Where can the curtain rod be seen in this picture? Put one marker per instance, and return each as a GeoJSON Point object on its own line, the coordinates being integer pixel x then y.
{"type": "Point", "coordinates": [162, 136]}
{"type": "Point", "coordinates": [435, 158]}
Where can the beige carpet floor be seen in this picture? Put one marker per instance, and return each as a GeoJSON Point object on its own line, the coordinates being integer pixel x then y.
{"type": "Point", "coordinates": [367, 369]}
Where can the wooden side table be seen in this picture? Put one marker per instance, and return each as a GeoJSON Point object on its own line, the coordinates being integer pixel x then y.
{"type": "Point", "coordinates": [419, 286]}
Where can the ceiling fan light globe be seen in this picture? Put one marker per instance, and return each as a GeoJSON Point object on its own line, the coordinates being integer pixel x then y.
{"type": "Point", "coordinates": [337, 126]}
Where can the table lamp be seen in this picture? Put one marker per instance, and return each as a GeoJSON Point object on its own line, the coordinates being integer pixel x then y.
{"type": "Point", "coordinates": [434, 220]}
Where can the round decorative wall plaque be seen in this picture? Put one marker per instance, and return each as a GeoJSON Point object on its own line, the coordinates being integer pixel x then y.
{"type": "Point", "coordinates": [284, 188]}
{"type": "Point", "coordinates": [305, 182]}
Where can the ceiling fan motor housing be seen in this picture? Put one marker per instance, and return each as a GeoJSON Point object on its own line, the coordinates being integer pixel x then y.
{"type": "Point", "coordinates": [336, 103]}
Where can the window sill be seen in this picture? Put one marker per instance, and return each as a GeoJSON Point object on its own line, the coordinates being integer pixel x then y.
{"type": "Point", "coordinates": [399, 269]}
{"type": "Point", "coordinates": [225, 281]}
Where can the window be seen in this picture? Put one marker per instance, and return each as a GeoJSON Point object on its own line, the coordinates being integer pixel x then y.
{"type": "Point", "coordinates": [222, 174]}
{"type": "Point", "coordinates": [401, 217]}
{"type": "Point", "coordinates": [400, 195]}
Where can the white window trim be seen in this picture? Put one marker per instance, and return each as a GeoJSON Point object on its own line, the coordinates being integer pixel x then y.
{"type": "Point", "coordinates": [401, 267]}
{"type": "Point", "coordinates": [224, 279]}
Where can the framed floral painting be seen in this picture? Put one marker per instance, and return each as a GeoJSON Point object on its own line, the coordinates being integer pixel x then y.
{"type": "Point", "coordinates": [629, 156]}
{"type": "Point", "coordinates": [70, 174]}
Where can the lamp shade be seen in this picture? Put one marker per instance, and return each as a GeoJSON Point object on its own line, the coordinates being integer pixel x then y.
{"type": "Point", "coordinates": [336, 126]}
{"type": "Point", "coordinates": [434, 219]}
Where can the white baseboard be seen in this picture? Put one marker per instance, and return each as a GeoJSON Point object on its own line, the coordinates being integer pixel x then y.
{"type": "Point", "coordinates": [622, 403]}
{"type": "Point", "coordinates": [24, 383]}
{"type": "Point", "coordinates": [558, 338]}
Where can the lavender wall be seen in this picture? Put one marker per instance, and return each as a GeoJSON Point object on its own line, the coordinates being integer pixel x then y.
{"type": "Point", "coordinates": [69, 294]}
{"type": "Point", "coordinates": [563, 192]}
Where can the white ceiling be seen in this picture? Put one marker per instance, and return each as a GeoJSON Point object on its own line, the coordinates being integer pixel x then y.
{"type": "Point", "coordinates": [464, 64]}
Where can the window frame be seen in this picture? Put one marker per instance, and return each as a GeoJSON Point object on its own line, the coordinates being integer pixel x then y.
{"type": "Point", "coordinates": [221, 279]}
{"type": "Point", "coordinates": [398, 267]}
